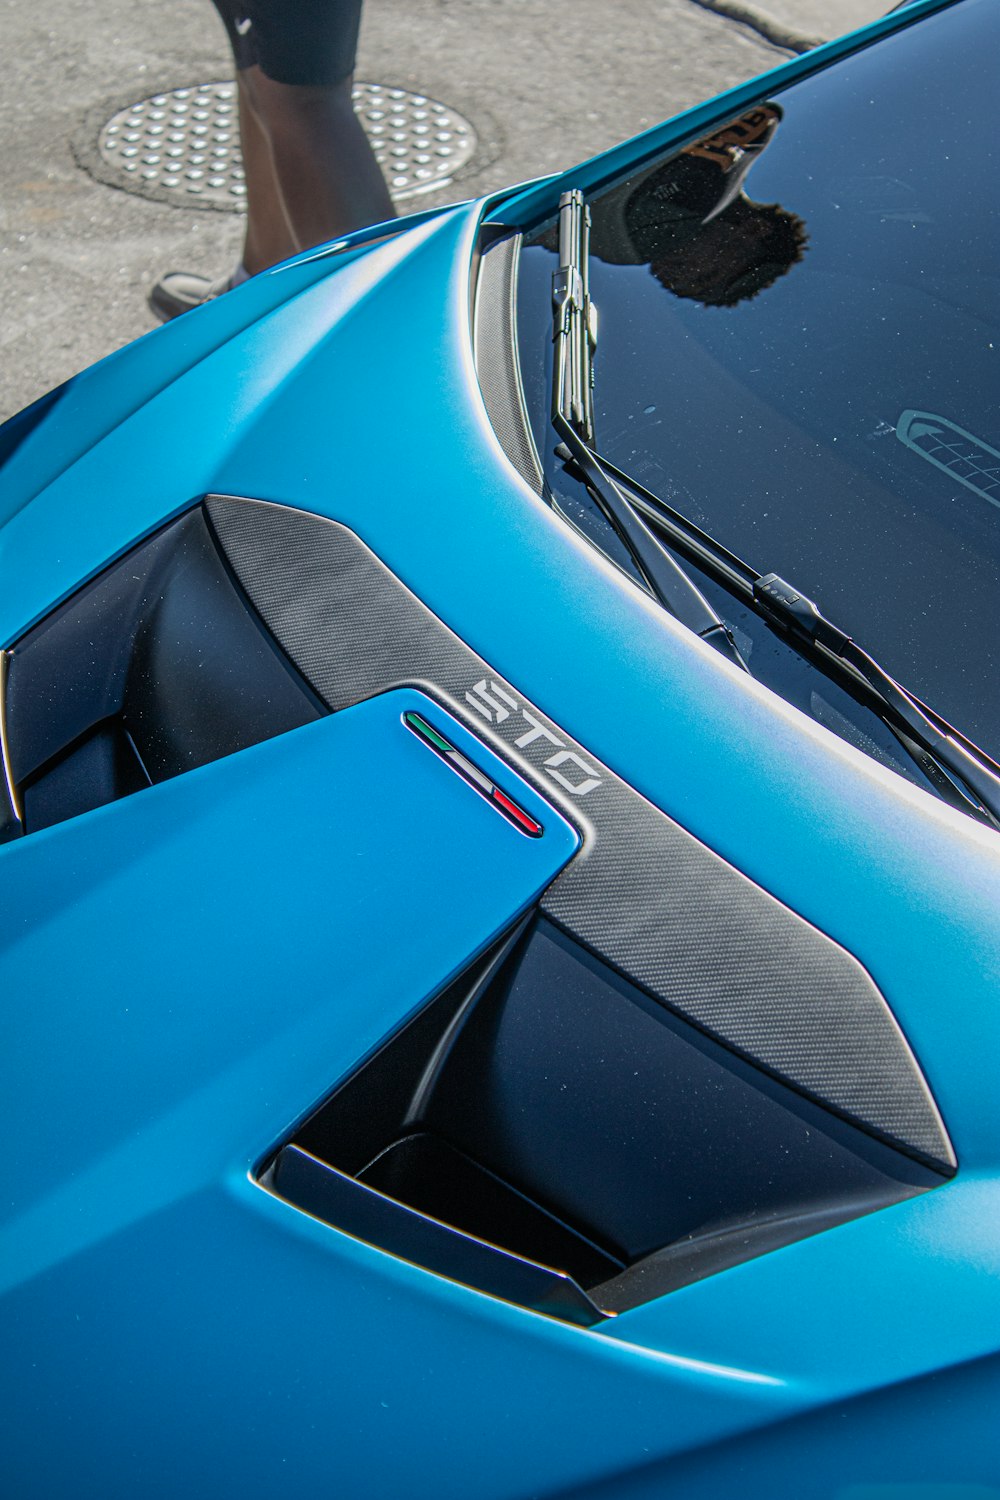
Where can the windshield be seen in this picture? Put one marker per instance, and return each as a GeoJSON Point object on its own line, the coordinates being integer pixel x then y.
{"type": "Point", "coordinates": [799, 336]}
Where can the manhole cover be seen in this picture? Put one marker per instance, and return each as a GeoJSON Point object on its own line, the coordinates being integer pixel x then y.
{"type": "Point", "coordinates": [185, 145]}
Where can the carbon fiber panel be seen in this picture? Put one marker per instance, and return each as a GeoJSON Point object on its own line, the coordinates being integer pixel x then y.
{"type": "Point", "coordinates": [643, 893]}
{"type": "Point", "coordinates": [497, 363]}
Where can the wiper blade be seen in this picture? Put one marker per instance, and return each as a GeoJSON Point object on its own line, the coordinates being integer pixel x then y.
{"type": "Point", "coordinates": [667, 581]}
{"type": "Point", "coordinates": [574, 333]}
{"type": "Point", "coordinates": [574, 318]}
{"type": "Point", "coordinates": [703, 549]}
{"type": "Point", "coordinates": [924, 733]}
{"type": "Point", "coordinates": [976, 772]}
{"type": "Point", "coordinates": [962, 773]}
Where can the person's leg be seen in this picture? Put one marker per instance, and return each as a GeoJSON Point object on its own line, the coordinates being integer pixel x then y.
{"type": "Point", "coordinates": [311, 174]}
{"type": "Point", "coordinates": [323, 168]}
{"type": "Point", "coordinates": [268, 237]}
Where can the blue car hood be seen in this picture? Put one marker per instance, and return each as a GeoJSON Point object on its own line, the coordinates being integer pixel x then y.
{"type": "Point", "coordinates": [343, 384]}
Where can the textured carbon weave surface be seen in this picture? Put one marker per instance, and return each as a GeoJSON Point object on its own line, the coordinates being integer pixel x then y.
{"type": "Point", "coordinates": [644, 894]}
{"type": "Point", "coordinates": [497, 364]}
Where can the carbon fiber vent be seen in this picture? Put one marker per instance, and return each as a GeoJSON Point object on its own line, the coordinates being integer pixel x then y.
{"type": "Point", "coordinates": [497, 363]}
{"type": "Point", "coordinates": [546, 1133]}
{"type": "Point", "coordinates": [155, 667]}
{"type": "Point", "coordinates": [645, 895]}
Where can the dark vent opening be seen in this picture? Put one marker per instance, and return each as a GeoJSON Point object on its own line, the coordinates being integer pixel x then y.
{"type": "Point", "coordinates": [433, 1177]}
{"type": "Point", "coordinates": [545, 1109]}
{"type": "Point", "coordinates": [156, 667]}
{"type": "Point", "coordinates": [98, 768]}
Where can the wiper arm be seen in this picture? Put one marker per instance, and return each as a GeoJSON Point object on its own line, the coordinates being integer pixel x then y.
{"type": "Point", "coordinates": [574, 334]}
{"type": "Point", "coordinates": [925, 734]}
{"type": "Point", "coordinates": [976, 772]}
{"type": "Point", "coordinates": [963, 774]}
{"type": "Point", "coordinates": [574, 319]}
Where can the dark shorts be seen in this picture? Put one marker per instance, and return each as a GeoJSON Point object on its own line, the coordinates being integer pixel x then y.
{"type": "Point", "coordinates": [294, 41]}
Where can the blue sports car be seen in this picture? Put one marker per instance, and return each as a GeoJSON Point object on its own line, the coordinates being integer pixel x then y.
{"type": "Point", "coordinates": [498, 837]}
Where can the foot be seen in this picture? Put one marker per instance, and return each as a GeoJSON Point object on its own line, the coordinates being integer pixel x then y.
{"type": "Point", "coordinates": [179, 291]}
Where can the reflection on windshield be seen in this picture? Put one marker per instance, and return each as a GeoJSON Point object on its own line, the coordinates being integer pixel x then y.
{"type": "Point", "coordinates": [691, 222]}
{"type": "Point", "coordinates": [826, 409]}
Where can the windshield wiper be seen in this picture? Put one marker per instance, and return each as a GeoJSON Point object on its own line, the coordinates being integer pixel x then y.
{"type": "Point", "coordinates": [574, 333]}
{"type": "Point", "coordinates": [574, 319]}
{"type": "Point", "coordinates": [962, 773]}
{"type": "Point", "coordinates": [956, 755]}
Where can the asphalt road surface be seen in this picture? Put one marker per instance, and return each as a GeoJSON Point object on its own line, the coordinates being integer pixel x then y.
{"type": "Point", "coordinates": [543, 82]}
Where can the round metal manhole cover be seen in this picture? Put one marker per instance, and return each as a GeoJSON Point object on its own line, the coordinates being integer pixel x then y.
{"type": "Point", "coordinates": [184, 145]}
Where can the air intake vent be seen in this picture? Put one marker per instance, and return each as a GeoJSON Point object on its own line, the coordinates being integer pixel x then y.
{"type": "Point", "coordinates": [652, 900]}
{"type": "Point", "coordinates": [547, 1133]}
{"type": "Point", "coordinates": [157, 666]}
{"type": "Point", "coordinates": [497, 362]}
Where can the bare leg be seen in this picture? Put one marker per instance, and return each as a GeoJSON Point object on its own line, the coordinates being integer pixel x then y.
{"type": "Point", "coordinates": [322, 168]}
{"type": "Point", "coordinates": [268, 236]}
{"type": "Point", "coordinates": [310, 174]}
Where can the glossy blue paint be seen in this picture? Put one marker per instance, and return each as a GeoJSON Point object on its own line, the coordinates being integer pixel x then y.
{"type": "Point", "coordinates": [191, 969]}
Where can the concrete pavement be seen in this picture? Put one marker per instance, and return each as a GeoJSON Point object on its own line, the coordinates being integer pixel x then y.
{"type": "Point", "coordinates": [77, 256]}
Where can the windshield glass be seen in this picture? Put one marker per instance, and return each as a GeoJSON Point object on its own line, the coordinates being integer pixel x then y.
{"type": "Point", "coordinates": [799, 336]}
